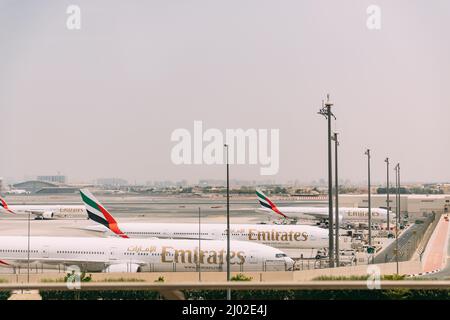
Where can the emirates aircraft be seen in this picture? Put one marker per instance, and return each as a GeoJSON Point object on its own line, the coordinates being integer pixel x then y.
{"type": "Point", "coordinates": [278, 236]}
{"type": "Point", "coordinates": [135, 255]}
{"type": "Point", "coordinates": [45, 211]}
{"type": "Point", "coordinates": [346, 215]}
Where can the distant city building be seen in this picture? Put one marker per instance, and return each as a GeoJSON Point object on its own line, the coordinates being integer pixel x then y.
{"type": "Point", "coordinates": [53, 179]}
{"type": "Point", "coordinates": [112, 182]}
{"type": "Point", "coordinates": [212, 183]}
{"type": "Point", "coordinates": [234, 183]}
{"type": "Point", "coordinates": [182, 183]}
{"type": "Point", "coordinates": [163, 184]}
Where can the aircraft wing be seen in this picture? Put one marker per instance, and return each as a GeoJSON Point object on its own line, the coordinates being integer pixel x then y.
{"type": "Point", "coordinates": [316, 215]}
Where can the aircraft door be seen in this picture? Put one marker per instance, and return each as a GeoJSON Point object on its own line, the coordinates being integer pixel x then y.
{"type": "Point", "coordinates": [112, 253]}
{"type": "Point", "coordinates": [45, 252]}
{"type": "Point", "coordinates": [252, 257]}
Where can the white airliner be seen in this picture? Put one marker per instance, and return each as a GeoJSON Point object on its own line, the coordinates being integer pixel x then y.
{"type": "Point", "coordinates": [346, 215]}
{"type": "Point", "coordinates": [135, 255]}
{"type": "Point", "coordinates": [17, 191]}
{"type": "Point", "coordinates": [45, 211]}
{"type": "Point", "coordinates": [278, 236]}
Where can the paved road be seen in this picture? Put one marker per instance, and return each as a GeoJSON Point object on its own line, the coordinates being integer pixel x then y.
{"type": "Point", "coordinates": [436, 256]}
{"type": "Point", "coordinates": [445, 272]}
{"type": "Point", "coordinates": [405, 244]}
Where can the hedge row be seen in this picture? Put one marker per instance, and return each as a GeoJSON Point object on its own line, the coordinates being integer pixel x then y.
{"type": "Point", "coordinates": [99, 295]}
{"type": "Point", "coordinates": [400, 294]}
{"type": "Point", "coordinates": [4, 295]}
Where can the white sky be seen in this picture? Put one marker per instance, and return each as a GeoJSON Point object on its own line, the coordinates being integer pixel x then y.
{"type": "Point", "coordinates": [103, 101]}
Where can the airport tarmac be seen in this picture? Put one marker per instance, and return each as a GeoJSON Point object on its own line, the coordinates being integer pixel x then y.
{"type": "Point", "coordinates": [165, 207]}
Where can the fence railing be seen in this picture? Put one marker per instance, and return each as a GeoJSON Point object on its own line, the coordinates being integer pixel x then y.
{"type": "Point", "coordinates": [407, 248]}
{"type": "Point", "coordinates": [267, 265]}
{"type": "Point", "coordinates": [426, 237]}
{"type": "Point", "coordinates": [234, 285]}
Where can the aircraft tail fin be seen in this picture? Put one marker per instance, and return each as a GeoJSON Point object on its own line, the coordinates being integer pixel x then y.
{"type": "Point", "coordinates": [99, 214]}
{"type": "Point", "coordinates": [266, 203]}
{"type": "Point", "coordinates": [4, 205]}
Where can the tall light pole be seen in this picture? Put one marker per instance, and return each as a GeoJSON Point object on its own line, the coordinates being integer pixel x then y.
{"type": "Point", "coordinates": [387, 194]}
{"type": "Point", "coordinates": [397, 211]}
{"type": "Point", "coordinates": [369, 197]}
{"type": "Point", "coordinates": [326, 112]}
{"type": "Point", "coordinates": [228, 223]}
{"type": "Point", "coordinates": [28, 253]}
{"type": "Point", "coordinates": [399, 197]}
{"type": "Point", "coordinates": [336, 194]}
{"type": "Point", "coordinates": [199, 248]}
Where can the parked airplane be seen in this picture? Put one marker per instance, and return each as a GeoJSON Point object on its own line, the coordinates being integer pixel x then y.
{"type": "Point", "coordinates": [135, 255]}
{"type": "Point", "coordinates": [278, 236]}
{"type": "Point", "coordinates": [45, 211]}
{"type": "Point", "coordinates": [17, 191]}
{"type": "Point", "coordinates": [346, 215]}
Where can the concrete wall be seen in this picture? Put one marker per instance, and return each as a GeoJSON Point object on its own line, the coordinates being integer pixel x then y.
{"type": "Point", "coordinates": [409, 267]}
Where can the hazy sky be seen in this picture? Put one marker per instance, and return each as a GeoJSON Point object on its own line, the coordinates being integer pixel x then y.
{"type": "Point", "coordinates": [103, 101]}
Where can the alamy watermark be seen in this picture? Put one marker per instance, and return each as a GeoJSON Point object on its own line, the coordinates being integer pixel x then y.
{"type": "Point", "coordinates": [374, 17]}
{"type": "Point", "coordinates": [374, 279]}
{"type": "Point", "coordinates": [250, 146]}
{"type": "Point", "coordinates": [73, 281]}
{"type": "Point", "coordinates": [73, 21]}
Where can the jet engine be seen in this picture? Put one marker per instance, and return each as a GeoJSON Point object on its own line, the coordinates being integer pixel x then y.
{"type": "Point", "coordinates": [123, 267]}
{"type": "Point", "coordinates": [47, 215]}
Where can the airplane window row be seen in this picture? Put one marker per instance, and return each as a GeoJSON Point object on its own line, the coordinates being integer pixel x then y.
{"type": "Point", "coordinates": [81, 252]}
{"type": "Point", "coordinates": [12, 250]}
{"type": "Point", "coordinates": [175, 233]}
{"type": "Point", "coordinates": [147, 254]}
{"type": "Point", "coordinates": [141, 254]}
{"type": "Point", "coordinates": [133, 232]}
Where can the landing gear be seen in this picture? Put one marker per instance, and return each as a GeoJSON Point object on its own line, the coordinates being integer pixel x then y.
{"type": "Point", "coordinates": [323, 223]}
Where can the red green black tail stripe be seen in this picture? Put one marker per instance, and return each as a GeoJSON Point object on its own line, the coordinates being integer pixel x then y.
{"type": "Point", "coordinates": [265, 202]}
{"type": "Point", "coordinates": [99, 214]}
{"type": "Point", "coordinates": [5, 205]}
{"type": "Point", "coordinates": [4, 263]}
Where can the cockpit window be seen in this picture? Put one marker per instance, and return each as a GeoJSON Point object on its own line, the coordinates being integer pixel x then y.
{"type": "Point", "coordinates": [280, 255]}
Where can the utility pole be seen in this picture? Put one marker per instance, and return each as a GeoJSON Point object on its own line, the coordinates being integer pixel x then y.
{"type": "Point", "coordinates": [397, 211]}
{"type": "Point", "coordinates": [28, 253]}
{"type": "Point", "coordinates": [387, 195]}
{"type": "Point", "coordinates": [336, 194]}
{"type": "Point", "coordinates": [399, 197]}
{"type": "Point", "coordinates": [199, 248]}
{"type": "Point", "coordinates": [326, 112]}
{"type": "Point", "coordinates": [228, 223]}
{"type": "Point", "coordinates": [369, 196]}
